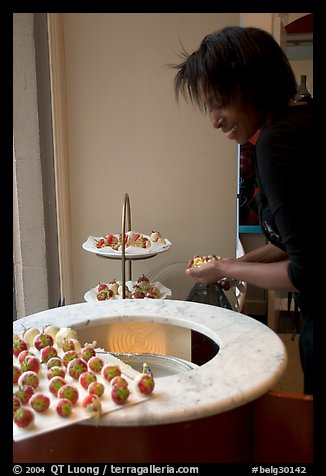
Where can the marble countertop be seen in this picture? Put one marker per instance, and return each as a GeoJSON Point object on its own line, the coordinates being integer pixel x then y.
{"type": "Point", "coordinates": [250, 361]}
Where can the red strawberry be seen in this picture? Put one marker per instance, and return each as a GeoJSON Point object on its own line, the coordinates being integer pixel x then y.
{"type": "Point", "coordinates": [54, 362]}
{"type": "Point", "coordinates": [16, 374]}
{"type": "Point", "coordinates": [87, 352]}
{"type": "Point", "coordinates": [56, 371]}
{"type": "Point", "coordinates": [138, 293]}
{"type": "Point", "coordinates": [96, 388]}
{"type": "Point", "coordinates": [95, 364]}
{"type": "Point", "coordinates": [102, 287]}
{"type": "Point", "coordinates": [29, 378]}
{"type": "Point", "coordinates": [39, 402]}
{"type": "Point", "coordinates": [102, 296]}
{"type": "Point", "coordinates": [68, 344]}
{"type": "Point", "coordinates": [18, 345]}
{"type": "Point", "coordinates": [118, 380]}
{"type": "Point", "coordinates": [24, 393]}
{"type": "Point", "coordinates": [68, 357]}
{"type": "Point", "coordinates": [76, 367]}
{"type": "Point", "coordinates": [42, 340]}
{"type": "Point", "coordinates": [86, 378]}
{"type": "Point", "coordinates": [111, 240]}
{"type": "Point", "coordinates": [64, 407]}
{"type": "Point", "coordinates": [120, 394]}
{"type": "Point", "coordinates": [55, 384]}
{"type": "Point", "coordinates": [100, 243]}
{"type": "Point", "coordinates": [23, 354]}
{"type": "Point", "coordinates": [16, 403]}
{"type": "Point", "coordinates": [143, 282]}
{"type": "Point", "coordinates": [47, 353]}
{"type": "Point", "coordinates": [31, 363]}
{"type": "Point", "coordinates": [110, 371]}
{"type": "Point", "coordinates": [70, 392]}
{"type": "Point", "coordinates": [145, 384]}
{"type": "Point", "coordinates": [23, 417]}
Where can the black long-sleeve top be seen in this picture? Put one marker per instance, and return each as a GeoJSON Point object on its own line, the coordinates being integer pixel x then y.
{"type": "Point", "coordinates": [284, 166]}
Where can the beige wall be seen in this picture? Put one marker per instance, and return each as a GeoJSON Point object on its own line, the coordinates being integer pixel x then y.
{"type": "Point", "coordinates": [126, 133]}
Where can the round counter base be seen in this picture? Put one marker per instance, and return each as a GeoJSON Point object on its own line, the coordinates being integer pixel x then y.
{"type": "Point", "coordinates": [222, 438]}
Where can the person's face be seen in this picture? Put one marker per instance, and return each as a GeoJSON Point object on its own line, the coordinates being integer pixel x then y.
{"type": "Point", "coordinates": [239, 123]}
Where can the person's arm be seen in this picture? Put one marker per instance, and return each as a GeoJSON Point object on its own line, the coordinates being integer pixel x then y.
{"type": "Point", "coordinates": [265, 254]}
{"type": "Point", "coordinates": [264, 275]}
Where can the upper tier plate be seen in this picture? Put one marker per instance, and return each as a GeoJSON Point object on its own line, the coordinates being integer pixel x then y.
{"type": "Point", "coordinates": [131, 252]}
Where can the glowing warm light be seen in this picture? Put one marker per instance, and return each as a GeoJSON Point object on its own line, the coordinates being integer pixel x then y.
{"type": "Point", "coordinates": [137, 337]}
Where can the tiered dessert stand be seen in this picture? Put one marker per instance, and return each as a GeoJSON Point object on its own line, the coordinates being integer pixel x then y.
{"type": "Point", "coordinates": [125, 227]}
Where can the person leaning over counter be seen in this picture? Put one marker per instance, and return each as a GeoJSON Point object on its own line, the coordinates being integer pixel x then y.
{"type": "Point", "coordinates": [242, 79]}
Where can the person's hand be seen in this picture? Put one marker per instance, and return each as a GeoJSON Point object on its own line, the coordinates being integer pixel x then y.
{"type": "Point", "coordinates": [197, 261]}
{"type": "Point", "coordinates": [204, 269]}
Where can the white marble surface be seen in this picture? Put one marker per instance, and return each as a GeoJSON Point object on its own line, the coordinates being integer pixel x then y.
{"type": "Point", "coordinates": [250, 361]}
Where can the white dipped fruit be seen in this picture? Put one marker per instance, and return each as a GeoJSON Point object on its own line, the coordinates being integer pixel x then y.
{"type": "Point", "coordinates": [63, 334]}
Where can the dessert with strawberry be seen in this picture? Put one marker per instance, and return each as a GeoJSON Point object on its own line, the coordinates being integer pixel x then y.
{"type": "Point", "coordinates": [16, 403]}
{"type": "Point", "coordinates": [143, 282]}
{"type": "Point", "coordinates": [96, 388]}
{"type": "Point", "coordinates": [156, 237]}
{"type": "Point", "coordinates": [142, 242]}
{"type": "Point", "coordinates": [39, 402]}
{"type": "Point", "coordinates": [29, 378]}
{"type": "Point", "coordinates": [76, 367]}
{"type": "Point", "coordinates": [111, 240]}
{"type": "Point", "coordinates": [101, 296]}
{"type": "Point", "coordinates": [95, 364]}
{"type": "Point", "coordinates": [100, 243]}
{"type": "Point", "coordinates": [43, 340]}
{"type": "Point", "coordinates": [29, 335]}
{"type": "Point", "coordinates": [70, 392]}
{"type": "Point", "coordinates": [55, 371]}
{"type": "Point", "coordinates": [31, 362]}
{"type": "Point", "coordinates": [114, 285]}
{"type": "Point", "coordinates": [145, 384]}
{"type": "Point", "coordinates": [120, 394]}
{"type": "Point", "coordinates": [64, 407]}
{"type": "Point", "coordinates": [23, 354]}
{"type": "Point", "coordinates": [47, 353]}
{"type": "Point", "coordinates": [16, 374]}
{"type": "Point", "coordinates": [110, 371]}
{"type": "Point", "coordinates": [54, 362]}
{"type": "Point", "coordinates": [127, 291]}
{"type": "Point", "coordinates": [87, 352]}
{"type": "Point", "coordinates": [52, 330]}
{"type": "Point", "coordinates": [64, 333]}
{"type": "Point", "coordinates": [137, 293]}
{"type": "Point", "coordinates": [24, 393]}
{"type": "Point", "coordinates": [153, 293]}
{"type": "Point", "coordinates": [68, 357]}
{"type": "Point", "coordinates": [119, 380]}
{"type": "Point", "coordinates": [23, 417]}
{"type": "Point", "coordinates": [18, 345]}
{"type": "Point", "coordinates": [55, 383]}
{"type": "Point", "coordinates": [102, 287]}
{"type": "Point", "coordinates": [105, 295]}
{"type": "Point", "coordinates": [86, 378]}
{"type": "Point", "coordinates": [69, 344]}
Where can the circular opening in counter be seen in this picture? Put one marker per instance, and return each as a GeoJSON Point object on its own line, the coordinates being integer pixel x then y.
{"type": "Point", "coordinates": [203, 348]}
{"type": "Point", "coordinates": [151, 338]}
{"type": "Point", "coordinates": [155, 364]}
